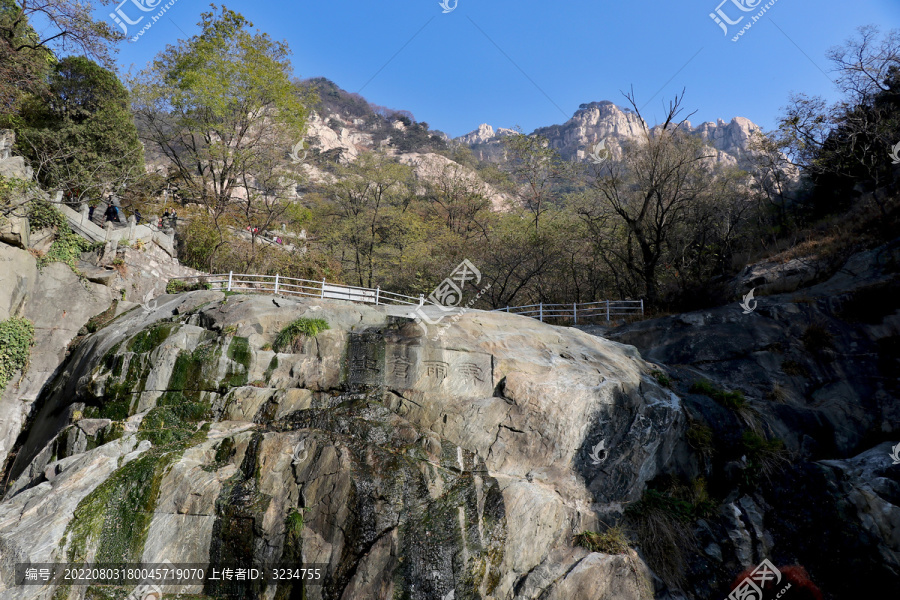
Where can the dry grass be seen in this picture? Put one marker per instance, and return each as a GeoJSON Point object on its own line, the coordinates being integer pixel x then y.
{"type": "Point", "coordinates": [666, 539]}
{"type": "Point", "coordinates": [765, 457]}
{"type": "Point", "coordinates": [834, 239]}
{"type": "Point", "coordinates": [794, 369]}
{"type": "Point", "coordinates": [733, 400]}
{"type": "Point", "coordinates": [612, 541]}
{"type": "Point", "coordinates": [700, 438]}
{"type": "Point", "coordinates": [777, 393]}
{"type": "Point", "coordinates": [615, 541]}
{"type": "Point", "coordinates": [811, 249]}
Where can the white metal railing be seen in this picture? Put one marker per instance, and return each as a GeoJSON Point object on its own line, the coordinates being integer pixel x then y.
{"type": "Point", "coordinates": [605, 309]}
{"type": "Point", "coordinates": [289, 286]}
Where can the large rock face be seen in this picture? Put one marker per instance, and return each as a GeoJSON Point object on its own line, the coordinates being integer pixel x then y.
{"type": "Point", "coordinates": [447, 174]}
{"type": "Point", "coordinates": [462, 465]}
{"type": "Point", "coordinates": [408, 467]}
{"type": "Point", "coordinates": [59, 303]}
{"type": "Point", "coordinates": [349, 140]}
{"type": "Point", "coordinates": [733, 138]}
{"type": "Point", "coordinates": [817, 370]}
{"type": "Point", "coordinates": [591, 124]}
{"type": "Point", "coordinates": [825, 356]}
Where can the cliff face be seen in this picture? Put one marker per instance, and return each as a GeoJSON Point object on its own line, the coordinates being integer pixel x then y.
{"type": "Point", "coordinates": [59, 304]}
{"type": "Point", "coordinates": [423, 470]}
{"type": "Point", "coordinates": [440, 170]}
{"type": "Point", "coordinates": [816, 371]}
{"type": "Point", "coordinates": [464, 465]}
{"type": "Point", "coordinates": [589, 125]}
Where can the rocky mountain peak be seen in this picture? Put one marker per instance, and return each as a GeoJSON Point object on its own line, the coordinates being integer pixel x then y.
{"type": "Point", "coordinates": [733, 137]}
{"type": "Point", "coordinates": [479, 136]}
{"type": "Point", "coordinates": [484, 134]}
{"type": "Point", "coordinates": [604, 108]}
{"type": "Point", "coordinates": [605, 121]}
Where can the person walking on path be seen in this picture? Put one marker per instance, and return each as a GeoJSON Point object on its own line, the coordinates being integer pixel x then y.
{"type": "Point", "coordinates": [111, 214]}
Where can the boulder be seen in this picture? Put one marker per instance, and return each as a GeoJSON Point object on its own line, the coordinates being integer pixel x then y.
{"type": "Point", "coordinates": [15, 231]}
{"type": "Point", "coordinates": [459, 468]}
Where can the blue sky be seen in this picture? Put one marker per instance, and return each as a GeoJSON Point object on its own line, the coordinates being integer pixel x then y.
{"type": "Point", "coordinates": [526, 63]}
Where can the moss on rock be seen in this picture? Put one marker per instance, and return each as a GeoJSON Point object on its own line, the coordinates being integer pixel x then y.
{"type": "Point", "coordinates": [115, 517]}
{"type": "Point", "coordinates": [149, 339]}
{"type": "Point", "coordinates": [239, 351]}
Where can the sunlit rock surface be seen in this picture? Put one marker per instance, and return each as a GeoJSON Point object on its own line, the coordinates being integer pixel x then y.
{"type": "Point", "coordinates": [460, 468]}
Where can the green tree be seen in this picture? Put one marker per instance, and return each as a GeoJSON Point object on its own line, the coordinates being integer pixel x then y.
{"type": "Point", "coordinates": [456, 197]}
{"type": "Point", "coordinates": [222, 108]}
{"type": "Point", "coordinates": [536, 168]}
{"type": "Point", "coordinates": [21, 67]}
{"type": "Point", "coordinates": [80, 136]}
{"type": "Point", "coordinates": [25, 54]}
{"type": "Point", "coordinates": [361, 213]}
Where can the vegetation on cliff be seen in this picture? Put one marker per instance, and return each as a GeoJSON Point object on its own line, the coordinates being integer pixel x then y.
{"type": "Point", "coordinates": [16, 339]}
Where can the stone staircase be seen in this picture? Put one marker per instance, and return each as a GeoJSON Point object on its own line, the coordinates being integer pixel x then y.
{"type": "Point", "coordinates": [99, 230]}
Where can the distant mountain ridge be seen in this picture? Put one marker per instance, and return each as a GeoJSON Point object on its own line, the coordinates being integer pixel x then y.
{"type": "Point", "coordinates": [605, 121]}
{"type": "Point", "coordinates": [357, 125]}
